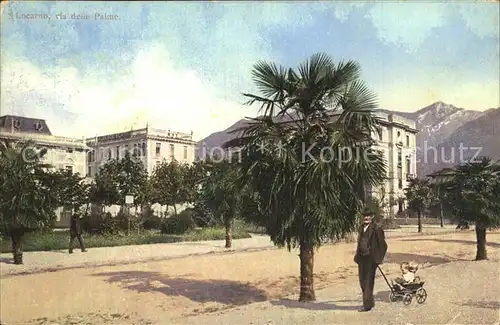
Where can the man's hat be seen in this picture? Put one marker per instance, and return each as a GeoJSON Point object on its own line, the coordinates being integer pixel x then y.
{"type": "Point", "coordinates": [367, 212]}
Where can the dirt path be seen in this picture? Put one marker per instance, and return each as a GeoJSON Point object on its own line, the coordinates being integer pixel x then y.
{"type": "Point", "coordinates": [464, 298]}
{"type": "Point", "coordinates": [35, 262]}
{"type": "Point", "coordinates": [169, 291]}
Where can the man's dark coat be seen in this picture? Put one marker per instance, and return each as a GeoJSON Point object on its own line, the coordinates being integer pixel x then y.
{"type": "Point", "coordinates": [376, 243]}
{"type": "Point", "coordinates": [76, 227]}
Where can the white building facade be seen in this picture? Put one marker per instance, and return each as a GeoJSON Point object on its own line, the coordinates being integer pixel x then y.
{"type": "Point", "coordinates": [397, 140]}
{"type": "Point", "coordinates": [151, 146]}
{"type": "Point", "coordinates": [62, 152]}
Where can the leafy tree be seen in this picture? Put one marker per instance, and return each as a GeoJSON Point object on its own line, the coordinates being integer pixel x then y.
{"type": "Point", "coordinates": [26, 197]}
{"type": "Point", "coordinates": [308, 157]}
{"type": "Point", "coordinates": [171, 184]}
{"type": "Point", "coordinates": [70, 188]}
{"type": "Point", "coordinates": [104, 190]}
{"type": "Point", "coordinates": [418, 196]}
{"type": "Point", "coordinates": [220, 193]}
{"type": "Point", "coordinates": [119, 178]}
{"type": "Point", "coordinates": [473, 189]}
{"type": "Point", "coordinates": [132, 179]}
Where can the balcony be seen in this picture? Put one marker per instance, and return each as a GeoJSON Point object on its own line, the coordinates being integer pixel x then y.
{"type": "Point", "coordinates": [399, 144]}
{"type": "Point", "coordinates": [410, 177]}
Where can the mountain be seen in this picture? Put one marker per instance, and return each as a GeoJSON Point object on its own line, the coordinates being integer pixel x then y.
{"type": "Point", "coordinates": [442, 126]}
{"type": "Point", "coordinates": [217, 139]}
{"type": "Point", "coordinates": [476, 137]}
{"type": "Point", "coordinates": [438, 121]}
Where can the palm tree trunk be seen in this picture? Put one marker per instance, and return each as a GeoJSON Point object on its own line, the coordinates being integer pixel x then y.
{"type": "Point", "coordinates": [228, 224]}
{"type": "Point", "coordinates": [306, 272]}
{"type": "Point", "coordinates": [419, 220]}
{"type": "Point", "coordinates": [16, 236]}
{"type": "Point", "coordinates": [306, 250]}
{"type": "Point", "coordinates": [481, 242]}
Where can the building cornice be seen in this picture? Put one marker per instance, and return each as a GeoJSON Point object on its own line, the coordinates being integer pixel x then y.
{"type": "Point", "coordinates": [174, 140]}
{"type": "Point", "coordinates": [399, 125]}
{"type": "Point", "coordinates": [142, 134]}
{"type": "Point", "coordinates": [47, 140]}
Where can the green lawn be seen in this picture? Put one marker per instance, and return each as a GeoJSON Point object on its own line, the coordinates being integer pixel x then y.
{"type": "Point", "coordinates": [57, 240]}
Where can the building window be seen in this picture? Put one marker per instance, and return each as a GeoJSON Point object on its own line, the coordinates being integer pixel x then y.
{"type": "Point", "coordinates": [172, 151]}
{"type": "Point", "coordinates": [135, 151]}
{"type": "Point", "coordinates": [89, 171]}
{"type": "Point", "coordinates": [144, 152]}
{"type": "Point", "coordinates": [185, 152]}
{"type": "Point", "coordinates": [126, 148]}
{"type": "Point", "coordinates": [408, 141]}
{"type": "Point", "coordinates": [400, 170]}
{"type": "Point", "coordinates": [399, 135]}
{"type": "Point", "coordinates": [118, 152]}
{"type": "Point", "coordinates": [380, 135]}
{"type": "Point", "coordinates": [69, 150]}
{"type": "Point", "coordinates": [109, 154]}
{"type": "Point", "coordinates": [91, 156]}
{"type": "Point", "coordinates": [158, 148]}
{"type": "Point", "coordinates": [158, 163]}
{"type": "Point", "coordinates": [69, 169]}
{"type": "Point", "coordinates": [408, 165]}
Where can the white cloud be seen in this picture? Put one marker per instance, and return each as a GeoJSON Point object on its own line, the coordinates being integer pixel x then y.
{"type": "Point", "coordinates": [154, 91]}
{"type": "Point", "coordinates": [342, 10]}
{"type": "Point", "coordinates": [482, 18]}
{"type": "Point", "coordinates": [407, 24]}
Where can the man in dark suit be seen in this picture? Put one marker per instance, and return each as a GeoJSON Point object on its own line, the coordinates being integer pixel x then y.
{"type": "Point", "coordinates": [75, 231]}
{"type": "Point", "coordinates": [369, 254]}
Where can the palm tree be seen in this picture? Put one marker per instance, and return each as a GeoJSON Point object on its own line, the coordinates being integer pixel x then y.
{"type": "Point", "coordinates": [473, 190]}
{"type": "Point", "coordinates": [308, 157]}
{"type": "Point", "coordinates": [418, 195]}
{"type": "Point", "coordinates": [26, 199]}
{"type": "Point", "coordinates": [438, 197]}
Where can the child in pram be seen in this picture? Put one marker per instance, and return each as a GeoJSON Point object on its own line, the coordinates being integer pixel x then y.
{"type": "Point", "coordinates": [408, 271]}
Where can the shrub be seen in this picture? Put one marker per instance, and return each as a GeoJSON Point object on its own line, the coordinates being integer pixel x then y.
{"type": "Point", "coordinates": [202, 216]}
{"type": "Point", "coordinates": [104, 223]}
{"type": "Point", "coordinates": [213, 234]}
{"type": "Point", "coordinates": [179, 224]}
{"type": "Point", "coordinates": [152, 223]}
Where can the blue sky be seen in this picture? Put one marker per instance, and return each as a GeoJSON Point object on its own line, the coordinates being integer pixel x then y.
{"type": "Point", "coordinates": [184, 65]}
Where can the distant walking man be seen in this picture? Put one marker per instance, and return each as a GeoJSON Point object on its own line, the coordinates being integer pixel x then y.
{"type": "Point", "coordinates": [75, 231]}
{"type": "Point", "coordinates": [369, 254]}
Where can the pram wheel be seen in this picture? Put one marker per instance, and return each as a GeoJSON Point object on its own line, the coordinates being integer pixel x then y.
{"type": "Point", "coordinates": [421, 295]}
{"type": "Point", "coordinates": [407, 299]}
{"type": "Point", "coordinates": [392, 296]}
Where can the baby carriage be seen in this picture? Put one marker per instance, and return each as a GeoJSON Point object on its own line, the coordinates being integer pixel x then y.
{"type": "Point", "coordinates": [406, 291]}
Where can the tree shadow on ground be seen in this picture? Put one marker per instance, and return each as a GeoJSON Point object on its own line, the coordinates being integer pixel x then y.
{"type": "Point", "coordinates": [326, 305]}
{"type": "Point", "coordinates": [382, 296]}
{"type": "Point", "coordinates": [482, 304]}
{"type": "Point", "coordinates": [7, 260]}
{"type": "Point", "coordinates": [420, 259]}
{"type": "Point", "coordinates": [221, 291]}
{"type": "Point", "coordinates": [457, 241]}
